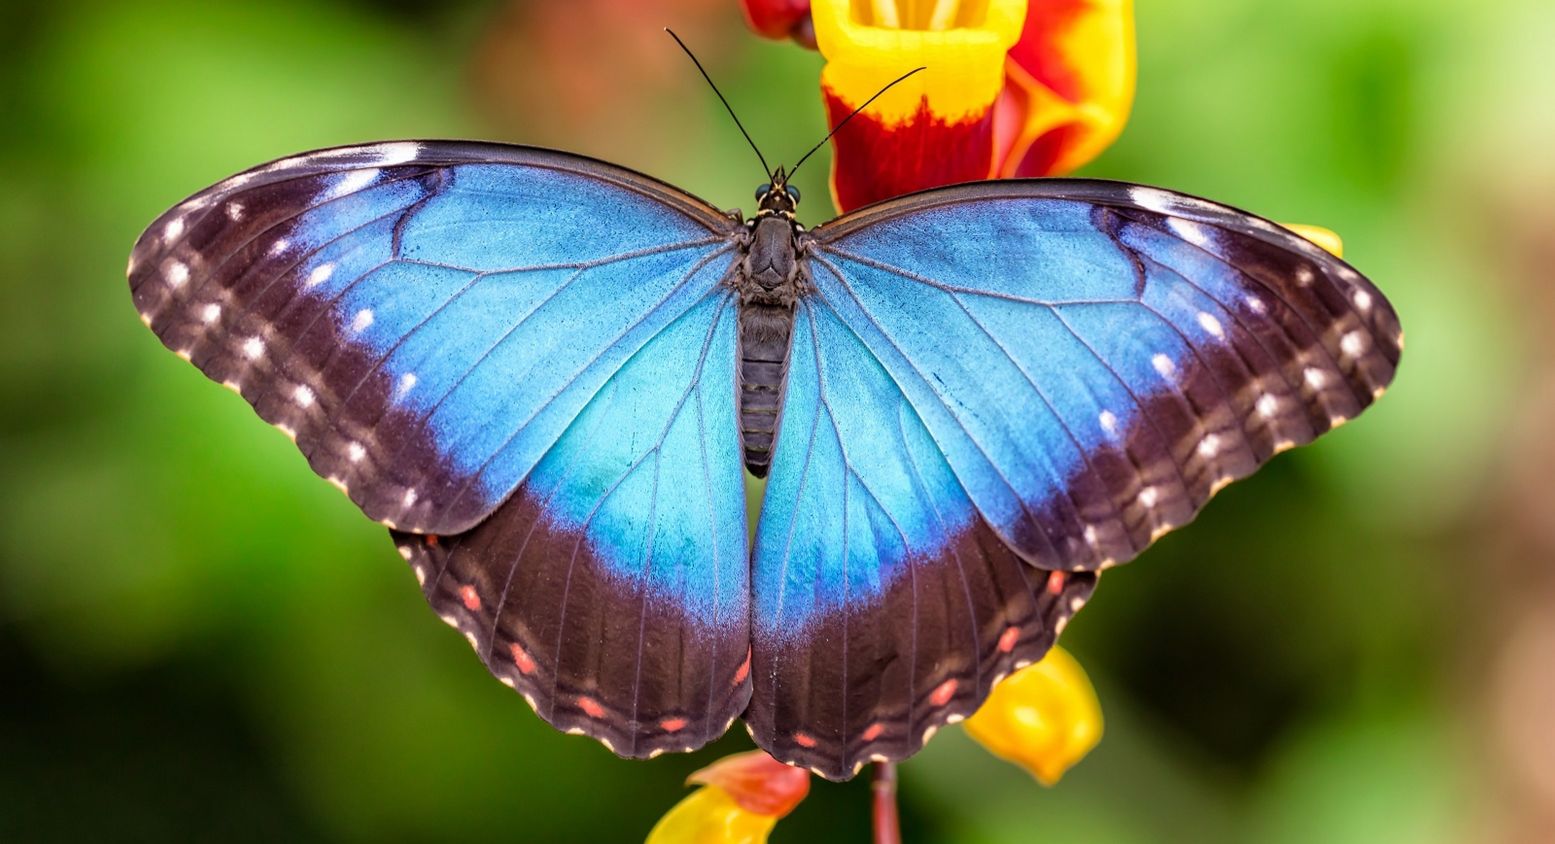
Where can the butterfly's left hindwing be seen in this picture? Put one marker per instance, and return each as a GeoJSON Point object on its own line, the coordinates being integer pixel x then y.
{"type": "Point", "coordinates": [1012, 379]}
{"type": "Point", "coordinates": [523, 361]}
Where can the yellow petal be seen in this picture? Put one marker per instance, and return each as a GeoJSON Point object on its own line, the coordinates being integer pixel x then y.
{"type": "Point", "coordinates": [1326, 238]}
{"type": "Point", "coordinates": [710, 815]}
{"type": "Point", "coordinates": [962, 43]}
{"type": "Point", "coordinates": [1044, 717]}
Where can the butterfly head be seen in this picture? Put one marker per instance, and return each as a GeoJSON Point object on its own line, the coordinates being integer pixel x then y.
{"type": "Point", "coordinates": [777, 196]}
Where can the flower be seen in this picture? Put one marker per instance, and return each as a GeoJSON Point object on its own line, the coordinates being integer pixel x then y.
{"type": "Point", "coordinates": [741, 799]}
{"type": "Point", "coordinates": [781, 19]}
{"type": "Point", "coordinates": [1044, 717]}
{"type": "Point", "coordinates": [1008, 91]}
{"type": "Point", "coordinates": [1328, 239]}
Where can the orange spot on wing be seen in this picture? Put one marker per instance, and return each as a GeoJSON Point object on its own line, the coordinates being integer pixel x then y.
{"type": "Point", "coordinates": [471, 600]}
{"type": "Point", "coordinates": [1055, 582]}
{"type": "Point", "coordinates": [943, 693]}
{"type": "Point", "coordinates": [673, 725]}
{"type": "Point", "coordinates": [590, 707]}
{"type": "Point", "coordinates": [1008, 639]}
{"type": "Point", "coordinates": [431, 540]}
{"type": "Point", "coordinates": [522, 661]}
{"type": "Point", "coordinates": [873, 731]}
{"type": "Point", "coordinates": [804, 740]}
{"type": "Point", "coordinates": [744, 670]}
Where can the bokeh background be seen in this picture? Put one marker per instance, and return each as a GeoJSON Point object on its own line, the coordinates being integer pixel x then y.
{"type": "Point", "coordinates": [201, 640]}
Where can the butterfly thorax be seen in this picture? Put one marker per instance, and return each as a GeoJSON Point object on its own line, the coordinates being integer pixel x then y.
{"type": "Point", "coordinates": [769, 279]}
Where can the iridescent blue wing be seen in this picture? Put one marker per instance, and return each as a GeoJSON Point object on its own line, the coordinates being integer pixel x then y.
{"type": "Point", "coordinates": [998, 390]}
{"type": "Point", "coordinates": [508, 355]}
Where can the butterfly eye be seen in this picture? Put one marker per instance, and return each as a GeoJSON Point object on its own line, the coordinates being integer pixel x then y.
{"type": "Point", "coordinates": [762, 191]}
{"type": "Point", "coordinates": [793, 192]}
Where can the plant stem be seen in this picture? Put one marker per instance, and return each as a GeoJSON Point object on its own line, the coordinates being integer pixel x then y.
{"type": "Point", "coordinates": [888, 828]}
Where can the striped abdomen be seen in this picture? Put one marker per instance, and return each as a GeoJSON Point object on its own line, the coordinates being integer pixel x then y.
{"type": "Point", "coordinates": [764, 336]}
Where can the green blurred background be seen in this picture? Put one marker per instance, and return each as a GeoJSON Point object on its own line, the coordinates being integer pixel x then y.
{"type": "Point", "coordinates": [199, 639]}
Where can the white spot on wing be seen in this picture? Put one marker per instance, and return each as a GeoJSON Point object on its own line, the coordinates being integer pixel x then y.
{"type": "Point", "coordinates": [1304, 275]}
{"type": "Point", "coordinates": [303, 395]}
{"type": "Point", "coordinates": [177, 272]}
{"type": "Point", "coordinates": [362, 320]}
{"type": "Point", "coordinates": [388, 155]}
{"type": "Point", "coordinates": [234, 211]}
{"type": "Point", "coordinates": [1151, 199]}
{"type": "Point", "coordinates": [407, 382]}
{"type": "Point", "coordinates": [253, 347]}
{"type": "Point", "coordinates": [1189, 231]}
{"type": "Point", "coordinates": [210, 313]}
{"type": "Point", "coordinates": [1256, 304]}
{"type": "Point", "coordinates": [1164, 365]}
{"type": "Point", "coordinates": [1268, 405]}
{"type": "Point", "coordinates": [173, 231]}
{"type": "Point", "coordinates": [280, 246]}
{"type": "Point", "coordinates": [320, 274]}
{"type": "Point", "coordinates": [1108, 421]}
{"type": "Point", "coordinates": [353, 181]}
{"type": "Point", "coordinates": [1353, 344]}
{"type": "Point", "coordinates": [410, 496]}
{"type": "Point", "coordinates": [1209, 446]}
{"type": "Point", "coordinates": [1315, 377]}
{"type": "Point", "coordinates": [1362, 300]}
{"type": "Point", "coordinates": [1209, 323]}
{"type": "Point", "coordinates": [1148, 497]}
{"type": "Point", "coordinates": [355, 452]}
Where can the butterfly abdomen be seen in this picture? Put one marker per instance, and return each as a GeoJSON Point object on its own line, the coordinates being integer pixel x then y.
{"type": "Point", "coordinates": [764, 337]}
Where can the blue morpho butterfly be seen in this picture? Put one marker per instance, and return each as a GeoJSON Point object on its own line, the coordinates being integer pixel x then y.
{"type": "Point", "coordinates": [544, 374]}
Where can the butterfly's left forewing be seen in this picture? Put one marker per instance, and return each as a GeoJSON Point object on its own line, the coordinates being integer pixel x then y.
{"type": "Point", "coordinates": [1018, 384]}
{"type": "Point", "coordinates": [523, 361]}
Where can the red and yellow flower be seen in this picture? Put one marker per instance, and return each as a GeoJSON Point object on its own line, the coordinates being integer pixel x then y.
{"type": "Point", "coordinates": [741, 799]}
{"type": "Point", "coordinates": [1008, 90]}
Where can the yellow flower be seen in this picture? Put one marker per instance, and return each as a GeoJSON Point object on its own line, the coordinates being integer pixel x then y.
{"type": "Point", "coordinates": [1326, 238]}
{"type": "Point", "coordinates": [1044, 717]}
{"type": "Point", "coordinates": [741, 799]}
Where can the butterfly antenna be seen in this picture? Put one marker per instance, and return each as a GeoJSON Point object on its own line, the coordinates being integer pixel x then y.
{"type": "Point", "coordinates": [762, 158]}
{"type": "Point", "coordinates": [845, 120]}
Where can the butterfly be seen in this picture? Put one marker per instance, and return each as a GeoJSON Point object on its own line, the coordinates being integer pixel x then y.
{"type": "Point", "coordinates": [547, 375]}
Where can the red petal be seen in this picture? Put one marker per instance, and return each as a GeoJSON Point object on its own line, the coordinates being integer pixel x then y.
{"type": "Point", "coordinates": [777, 18]}
{"type": "Point", "coordinates": [1046, 21]}
{"type": "Point", "coordinates": [1069, 84]}
{"type": "Point", "coordinates": [757, 782]}
{"type": "Point", "coordinates": [873, 161]}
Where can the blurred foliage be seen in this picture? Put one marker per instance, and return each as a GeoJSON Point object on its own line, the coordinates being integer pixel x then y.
{"type": "Point", "coordinates": [199, 639]}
